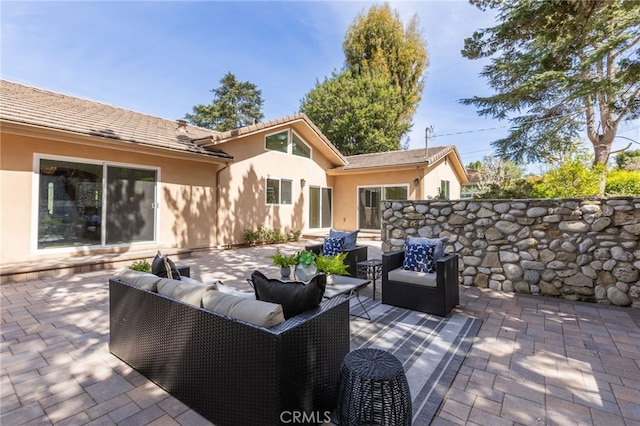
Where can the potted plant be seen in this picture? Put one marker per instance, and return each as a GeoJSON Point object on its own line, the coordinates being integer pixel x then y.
{"type": "Point", "coordinates": [332, 265]}
{"type": "Point", "coordinates": [306, 265]}
{"type": "Point", "coordinates": [284, 262]}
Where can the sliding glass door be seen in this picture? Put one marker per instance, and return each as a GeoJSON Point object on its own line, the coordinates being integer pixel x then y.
{"type": "Point", "coordinates": [320, 207]}
{"type": "Point", "coordinates": [369, 198]}
{"type": "Point", "coordinates": [73, 209]}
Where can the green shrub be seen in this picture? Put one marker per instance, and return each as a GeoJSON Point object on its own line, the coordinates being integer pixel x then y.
{"type": "Point", "coordinates": [623, 182]}
{"type": "Point", "coordinates": [572, 179]}
{"type": "Point", "coordinates": [141, 265]}
{"type": "Point", "coordinates": [251, 237]}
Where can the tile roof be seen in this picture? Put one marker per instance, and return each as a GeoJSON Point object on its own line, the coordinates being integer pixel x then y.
{"type": "Point", "coordinates": [398, 158]}
{"type": "Point", "coordinates": [25, 104]}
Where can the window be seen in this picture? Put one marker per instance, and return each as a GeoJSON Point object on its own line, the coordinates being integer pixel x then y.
{"type": "Point", "coordinates": [82, 204]}
{"type": "Point", "coordinates": [278, 141]}
{"type": "Point", "coordinates": [279, 191]}
{"type": "Point", "coordinates": [293, 145]}
{"type": "Point", "coordinates": [444, 189]}
{"type": "Point", "coordinates": [299, 148]}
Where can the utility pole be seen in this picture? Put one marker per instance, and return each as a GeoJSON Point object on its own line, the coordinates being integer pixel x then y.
{"type": "Point", "coordinates": [426, 142]}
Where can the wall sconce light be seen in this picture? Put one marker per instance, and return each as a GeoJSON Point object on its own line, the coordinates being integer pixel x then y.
{"type": "Point", "coordinates": [302, 183]}
{"type": "Point", "coordinates": [416, 182]}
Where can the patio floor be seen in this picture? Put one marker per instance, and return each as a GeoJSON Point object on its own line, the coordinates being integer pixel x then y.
{"type": "Point", "coordinates": [535, 360]}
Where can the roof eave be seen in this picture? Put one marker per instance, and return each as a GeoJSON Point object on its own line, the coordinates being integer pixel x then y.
{"type": "Point", "coordinates": [61, 135]}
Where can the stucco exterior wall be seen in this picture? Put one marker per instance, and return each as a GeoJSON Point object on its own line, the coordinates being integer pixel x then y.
{"type": "Point", "coordinates": [243, 188]}
{"type": "Point", "coordinates": [578, 249]}
{"type": "Point", "coordinates": [186, 195]}
{"type": "Point", "coordinates": [437, 172]}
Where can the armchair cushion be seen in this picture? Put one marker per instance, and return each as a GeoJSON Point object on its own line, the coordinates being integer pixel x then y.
{"type": "Point", "coordinates": [413, 277]}
{"type": "Point", "coordinates": [295, 297]}
{"type": "Point", "coordinates": [332, 246]}
{"type": "Point", "coordinates": [419, 257]}
{"type": "Point", "coordinates": [350, 238]}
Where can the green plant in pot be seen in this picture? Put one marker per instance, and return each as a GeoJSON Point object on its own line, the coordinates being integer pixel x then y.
{"type": "Point", "coordinates": [306, 265]}
{"type": "Point", "coordinates": [332, 265]}
{"type": "Point", "coordinates": [284, 262]}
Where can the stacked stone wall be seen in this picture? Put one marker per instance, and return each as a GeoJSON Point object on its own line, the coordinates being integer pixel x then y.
{"type": "Point", "coordinates": [578, 249]}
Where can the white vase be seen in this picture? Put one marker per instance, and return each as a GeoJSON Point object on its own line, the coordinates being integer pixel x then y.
{"type": "Point", "coordinates": [306, 272]}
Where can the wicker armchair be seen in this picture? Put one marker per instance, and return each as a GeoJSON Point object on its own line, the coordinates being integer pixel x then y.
{"type": "Point", "coordinates": [434, 293]}
{"type": "Point", "coordinates": [354, 256]}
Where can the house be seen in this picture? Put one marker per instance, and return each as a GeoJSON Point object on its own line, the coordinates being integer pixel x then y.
{"type": "Point", "coordinates": [81, 178]}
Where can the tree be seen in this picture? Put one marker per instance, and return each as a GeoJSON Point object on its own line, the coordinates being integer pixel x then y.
{"type": "Point", "coordinates": [235, 104]}
{"type": "Point", "coordinates": [357, 114]}
{"type": "Point", "coordinates": [496, 171]}
{"type": "Point", "coordinates": [556, 67]}
{"type": "Point", "coordinates": [377, 43]}
{"type": "Point", "coordinates": [628, 160]}
{"type": "Point", "coordinates": [575, 176]}
{"type": "Point", "coordinates": [369, 104]}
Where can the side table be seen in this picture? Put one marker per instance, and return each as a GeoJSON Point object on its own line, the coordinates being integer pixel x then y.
{"type": "Point", "coordinates": [373, 390]}
{"type": "Point", "coordinates": [370, 270]}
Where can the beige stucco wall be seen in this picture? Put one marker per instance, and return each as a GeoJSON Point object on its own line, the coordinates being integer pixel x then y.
{"type": "Point", "coordinates": [186, 193]}
{"type": "Point", "coordinates": [442, 170]}
{"type": "Point", "coordinates": [243, 195]}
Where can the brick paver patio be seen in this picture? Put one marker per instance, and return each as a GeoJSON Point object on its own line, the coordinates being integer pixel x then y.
{"type": "Point", "coordinates": [535, 360]}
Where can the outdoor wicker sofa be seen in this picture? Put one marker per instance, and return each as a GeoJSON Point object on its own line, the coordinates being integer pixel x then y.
{"type": "Point", "coordinates": [434, 293]}
{"type": "Point", "coordinates": [230, 371]}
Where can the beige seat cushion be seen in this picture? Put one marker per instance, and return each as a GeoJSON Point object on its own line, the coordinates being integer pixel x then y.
{"type": "Point", "coordinates": [413, 277]}
{"type": "Point", "coordinates": [258, 312]}
{"type": "Point", "coordinates": [185, 292]}
{"type": "Point", "coordinates": [139, 279]}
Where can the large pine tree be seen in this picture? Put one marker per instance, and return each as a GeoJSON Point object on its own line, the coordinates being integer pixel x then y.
{"type": "Point", "coordinates": [559, 67]}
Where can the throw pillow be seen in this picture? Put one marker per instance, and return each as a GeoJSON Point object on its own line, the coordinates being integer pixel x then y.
{"type": "Point", "coordinates": [350, 238]}
{"type": "Point", "coordinates": [438, 243]}
{"type": "Point", "coordinates": [163, 267]}
{"type": "Point", "coordinates": [332, 246]}
{"type": "Point", "coordinates": [418, 257]}
{"type": "Point", "coordinates": [295, 297]}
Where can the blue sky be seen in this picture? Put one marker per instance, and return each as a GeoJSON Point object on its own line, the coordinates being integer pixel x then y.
{"type": "Point", "coordinates": [161, 58]}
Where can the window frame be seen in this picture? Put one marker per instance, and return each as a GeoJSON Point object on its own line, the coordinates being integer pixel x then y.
{"type": "Point", "coordinates": [290, 141]}
{"type": "Point", "coordinates": [279, 200]}
{"type": "Point", "coordinates": [35, 202]}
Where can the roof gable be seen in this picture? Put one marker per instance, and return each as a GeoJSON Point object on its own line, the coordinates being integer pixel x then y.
{"type": "Point", "coordinates": [299, 122]}
{"type": "Point", "coordinates": [29, 105]}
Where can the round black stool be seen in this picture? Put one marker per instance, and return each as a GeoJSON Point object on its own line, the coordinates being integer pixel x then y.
{"type": "Point", "coordinates": [373, 390]}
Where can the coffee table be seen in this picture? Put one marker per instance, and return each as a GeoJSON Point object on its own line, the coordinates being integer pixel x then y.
{"type": "Point", "coordinates": [340, 285]}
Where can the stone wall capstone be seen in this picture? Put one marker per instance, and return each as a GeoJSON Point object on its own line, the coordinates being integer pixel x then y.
{"type": "Point", "coordinates": [577, 249]}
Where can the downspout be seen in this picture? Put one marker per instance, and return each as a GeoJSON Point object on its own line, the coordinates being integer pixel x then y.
{"type": "Point", "coordinates": [226, 166]}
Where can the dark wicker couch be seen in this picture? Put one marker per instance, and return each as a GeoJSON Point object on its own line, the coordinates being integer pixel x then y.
{"type": "Point", "coordinates": [354, 256]}
{"type": "Point", "coordinates": [230, 371]}
{"type": "Point", "coordinates": [438, 300]}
